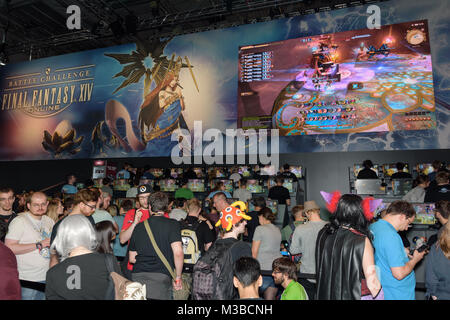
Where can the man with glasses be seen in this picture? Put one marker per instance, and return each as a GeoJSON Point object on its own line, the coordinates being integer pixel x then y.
{"type": "Point", "coordinates": [28, 238]}
{"type": "Point", "coordinates": [133, 216]}
{"type": "Point", "coordinates": [85, 203]}
{"type": "Point", "coordinates": [6, 210]}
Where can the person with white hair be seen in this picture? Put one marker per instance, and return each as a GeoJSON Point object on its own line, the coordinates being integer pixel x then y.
{"type": "Point", "coordinates": [82, 273]}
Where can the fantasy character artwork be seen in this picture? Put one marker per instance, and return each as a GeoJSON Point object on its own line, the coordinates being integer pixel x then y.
{"type": "Point", "coordinates": [161, 112]}
{"type": "Point", "coordinates": [346, 82]}
{"type": "Point", "coordinates": [63, 142]}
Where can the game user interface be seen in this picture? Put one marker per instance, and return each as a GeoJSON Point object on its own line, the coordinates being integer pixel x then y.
{"type": "Point", "coordinates": [358, 167]}
{"type": "Point", "coordinates": [390, 168]}
{"type": "Point", "coordinates": [401, 187]}
{"type": "Point", "coordinates": [244, 171]}
{"type": "Point", "coordinates": [199, 172]}
{"type": "Point", "coordinates": [268, 170]}
{"type": "Point", "coordinates": [149, 182]}
{"type": "Point", "coordinates": [297, 170]}
{"type": "Point", "coordinates": [227, 183]}
{"type": "Point", "coordinates": [424, 213]}
{"type": "Point", "coordinates": [272, 205]}
{"type": "Point", "coordinates": [369, 80]}
{"type": "Point", "coordinates": [196, 185]}
{"type": "Point", "coordinates": [157, 172]}
{"type": "Point", "coordinates": [254, 186]}
{"type": "Point", "coordinates": [168, 185]}
{"type": "Point", "coordinates": [380, 208]}
{"type": "Point", "coordinates": [424, 168]}
{"type": "Point", "coordinates": [288, 184]}
{"type": "Point", "coordinates": [176, 172]}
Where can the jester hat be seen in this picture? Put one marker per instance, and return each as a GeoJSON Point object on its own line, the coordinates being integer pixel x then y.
{"type": "Point", "coordinates": [232, 215]}
{"type": "Point", "coordinates": [369, 204]}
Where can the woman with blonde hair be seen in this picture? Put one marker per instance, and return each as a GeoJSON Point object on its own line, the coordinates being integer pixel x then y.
{"type": "Point", "coordinates": [55, 209]}
{"type": "Point", "coordinates": [437, 270]}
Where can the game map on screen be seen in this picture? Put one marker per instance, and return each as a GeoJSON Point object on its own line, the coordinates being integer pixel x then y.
{"type": "Point", "coordinates": [369, 80]}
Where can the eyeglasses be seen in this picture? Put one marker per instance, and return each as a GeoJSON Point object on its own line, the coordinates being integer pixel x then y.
{"type": "Point", "coordinates": [5, 199]}
{"type": "Point", "coordinates": [92, 207]}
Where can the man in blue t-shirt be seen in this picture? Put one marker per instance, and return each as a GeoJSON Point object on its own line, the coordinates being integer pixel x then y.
{"type": "Point", "coordinates": [69, 187]}
{"type": "Point", "coordinates": [395, 264]}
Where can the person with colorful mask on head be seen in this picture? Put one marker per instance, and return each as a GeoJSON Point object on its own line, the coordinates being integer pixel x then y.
{"type": "Point", "coordinates": [345, 267]}
{"type": "Point", "coordinates": [226, 251]}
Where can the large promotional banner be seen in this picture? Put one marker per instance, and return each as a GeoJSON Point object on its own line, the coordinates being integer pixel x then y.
{"type": "Point", "coordinates": [390, 85]}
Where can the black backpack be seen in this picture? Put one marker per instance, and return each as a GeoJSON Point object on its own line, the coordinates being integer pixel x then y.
{"type": "Point", "coordinates": [212, 277]}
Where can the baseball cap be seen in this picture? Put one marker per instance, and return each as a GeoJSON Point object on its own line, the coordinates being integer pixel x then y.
{"type": "Point", "coordinates": [145, 188]}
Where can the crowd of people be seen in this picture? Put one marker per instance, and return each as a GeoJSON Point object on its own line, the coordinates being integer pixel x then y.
{"type": "Point", "coordinates": [58, 248]}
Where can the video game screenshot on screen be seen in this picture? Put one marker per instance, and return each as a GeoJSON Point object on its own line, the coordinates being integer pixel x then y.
{"type": "Point", "coordinates": [369, 80]}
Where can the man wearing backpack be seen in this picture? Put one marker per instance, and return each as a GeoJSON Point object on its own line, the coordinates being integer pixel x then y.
{"type": "Point", "coordinates": [197, 237]}
{"type": "Point", "coordinates": [220, 259]}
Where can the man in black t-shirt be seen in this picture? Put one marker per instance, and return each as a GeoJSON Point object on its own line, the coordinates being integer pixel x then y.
{"type": "Point", "coordinates": [367, 172]}
{"type": "Point", "coordinates": [400, 174]}
{"type": "Point", "coordinates": [148, 267]}
{"type": "Point", "coordinates": [280, 193]}
{"type": "Point", "coordinates": [287, 174]}
{"type": "Point", "coordinates": [6, 211]}
{"type": "Point", "coordinates": [442, 189]}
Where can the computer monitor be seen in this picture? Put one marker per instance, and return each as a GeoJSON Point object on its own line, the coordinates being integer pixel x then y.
{"type": "Point", "coordinates": [297, 170]}
{"type": "Point", "coordinates": [272, 205]}
{"type": "Point", "coordinates": [288, 184]}
{"type": "Point", "coordinates": [220, 172]}
{"type": "Point", "coordinates": [176, 172]}
{"type": "Point", "coordinates": [424, 213]}
{"type": "Point", "coordinates": [268, 170]}
{"type": "Point", "coordinates": [200, 172]}
{"type": "Point", "coordinates": [383, 206]}
{"type": "Point", "coordinates": [121, 185]}
{"type": "Point", "coordinates": [400, 187]}
{"type": "Point", "coordinates": [244, 171]}
{"type": "Point", "coordinates": [168, 185]}
{"type": "Point", "coordinates": [254, 186]}
{"type": "Point", "coordinates": [424, 168]}
{"type": "Point", "coordinates": [196, 185]}
{"type": "Point", "coordinates": [227, 182]}
{"type": "Point", "coordinates": [147, 181]}
{"type": "Point", "coordinates": [157, 172]}
{"type": "Point", "coordinates": [369, 186]}
{"type": "Point", "coordinates": [358, 167]}
{"type": "Point", "coordinates": [390, 168]}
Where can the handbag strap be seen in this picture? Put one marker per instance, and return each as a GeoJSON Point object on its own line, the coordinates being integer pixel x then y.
{"type": "Point", "coordinates": [158, 251]}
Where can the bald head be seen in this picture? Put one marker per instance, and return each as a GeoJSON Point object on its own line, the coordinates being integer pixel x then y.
{"type": "Point", "coordinates": [220, 201]}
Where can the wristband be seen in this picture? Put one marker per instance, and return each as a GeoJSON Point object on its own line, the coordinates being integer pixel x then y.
{"type": "Point", "coordinates": [39, 246]}
{"type": "Point", "coordinates": [177, 281]}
